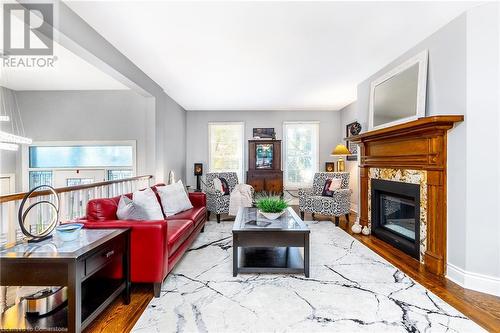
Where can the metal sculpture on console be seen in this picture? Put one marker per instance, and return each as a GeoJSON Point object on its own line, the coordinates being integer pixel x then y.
{"type": "Point", "coordinates": [22, 214]}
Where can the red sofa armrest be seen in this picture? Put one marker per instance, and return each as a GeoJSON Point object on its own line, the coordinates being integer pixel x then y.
{"type": "Point", "coordinates": [198, 199]}
{"type": "Point", "coordinates": [148, 247]}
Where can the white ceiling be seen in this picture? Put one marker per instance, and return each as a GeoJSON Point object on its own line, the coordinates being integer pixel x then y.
{"type": "Point", "coordinates": [264, 55]}
{"type": "Point", "coordinates": [69, 72]}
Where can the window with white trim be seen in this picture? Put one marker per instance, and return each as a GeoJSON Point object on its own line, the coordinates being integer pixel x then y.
{"type": "Point", "coordinates": [226, 144]}
{"type": "Point", "coordinates": [301, 153]}
{"type": "Point", "coordinates": [52, 163]}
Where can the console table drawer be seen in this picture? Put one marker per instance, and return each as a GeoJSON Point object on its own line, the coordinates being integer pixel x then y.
{"type": "Point", "coordinates": [103, 257]}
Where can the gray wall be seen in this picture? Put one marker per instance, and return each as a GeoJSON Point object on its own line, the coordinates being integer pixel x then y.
{"type": "Point", "coordinates": [462, 79]}
{"type": "Point", "coordinates": [92, 116]}
{"type": "Point", "coordinates": [197, 131]}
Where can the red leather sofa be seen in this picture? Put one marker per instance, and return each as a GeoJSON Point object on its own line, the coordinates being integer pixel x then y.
{"type": "Point", "coordinates": [155, 246]}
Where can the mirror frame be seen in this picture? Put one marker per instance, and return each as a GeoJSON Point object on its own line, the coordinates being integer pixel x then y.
{"type": "Point", "coordinates": [421, 60]}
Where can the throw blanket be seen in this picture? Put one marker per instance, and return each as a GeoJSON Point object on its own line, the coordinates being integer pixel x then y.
{"type": "Point", "coordinates": [241, 196]}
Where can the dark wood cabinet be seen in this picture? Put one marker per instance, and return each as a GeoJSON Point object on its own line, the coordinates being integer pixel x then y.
{"type": "Point", "coordinates": [264, 166]}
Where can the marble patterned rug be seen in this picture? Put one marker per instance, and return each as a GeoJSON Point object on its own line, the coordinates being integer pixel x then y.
{"type": "Point", "coordinates": [351, 289]}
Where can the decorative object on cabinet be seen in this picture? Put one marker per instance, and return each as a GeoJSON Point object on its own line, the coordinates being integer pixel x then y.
{"type": "Point", "coordinates": [329, 166]}
{"type": "Point", "coordinates": [264, 133]}
{"type": "Point", "coordinates": [352, 129]}
{"type": "Point", "coordinates": [22, 215]}
{"type": "Point", "coordinates": [198, 172]}
{"type": "Point", "coordinates": [340, 150]}
{"type": "Point", "coordinates": [264, 166]}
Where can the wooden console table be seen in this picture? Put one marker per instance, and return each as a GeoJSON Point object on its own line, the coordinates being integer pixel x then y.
{"type": "Point", "coordinates": [86, 266]}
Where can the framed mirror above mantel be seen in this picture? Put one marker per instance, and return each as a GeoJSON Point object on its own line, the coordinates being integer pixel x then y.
{"type": "Point", "coordinates": [399, 95]}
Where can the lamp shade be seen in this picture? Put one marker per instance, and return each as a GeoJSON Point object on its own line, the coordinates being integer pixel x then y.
{"type": "Point", "coordinates": [340, 149]}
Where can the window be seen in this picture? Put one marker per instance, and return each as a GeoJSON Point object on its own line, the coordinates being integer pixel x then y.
{"type": "Point", "coordinates": [119, 174]}
{"type": "Point", "coordinates": [80, 156]}
{"type": "Point", "coordinates": [72, 163]}
{"type": "Point", "coordinates": [301, 153]}
{"type": "Point", "coordinates": [226, 147]}
{"type": "Point", "coordinates": [38, 178]}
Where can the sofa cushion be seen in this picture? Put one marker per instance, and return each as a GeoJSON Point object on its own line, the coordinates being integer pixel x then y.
{"type": "Point", "coordinates": [102, 209]}
{"type": "Point", "coordinates": [174, 198]}
{"type": "Point", "coordinates": [195, 214]}
{"type": "Point", "coordinates": [177, 232]}
{"type": "Point", "coordinates": [148, 201]}
{"type": "Point", "coordinates": [129, 210]}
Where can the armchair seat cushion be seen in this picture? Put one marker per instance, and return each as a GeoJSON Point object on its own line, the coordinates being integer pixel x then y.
{"type": "Point", "coordinates": [195, 214]}
{"type": "Point", "coordinates": [177, 232]}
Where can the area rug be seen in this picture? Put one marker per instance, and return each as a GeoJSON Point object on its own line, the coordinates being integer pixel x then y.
{"type": "Point", "coordinates": [351, 289]}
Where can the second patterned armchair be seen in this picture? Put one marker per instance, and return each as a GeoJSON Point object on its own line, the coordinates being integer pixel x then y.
{"type": "Point", "coordinates": [217, 202]}
{"type": "Point", "coordinates": [312, 201]}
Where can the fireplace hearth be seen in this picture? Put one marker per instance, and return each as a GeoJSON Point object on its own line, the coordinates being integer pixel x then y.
{"type": "Point", "coordinates": [395, 210]}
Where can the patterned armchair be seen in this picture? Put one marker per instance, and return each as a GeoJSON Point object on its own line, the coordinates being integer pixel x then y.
{"type": "Point", "coordinates": [311, 200]}
{"type": "Point", "coordinates": [217, 202]}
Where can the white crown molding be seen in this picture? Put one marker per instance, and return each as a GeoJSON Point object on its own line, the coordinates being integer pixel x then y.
{"type": "Point", "coordinates": [475, 281]}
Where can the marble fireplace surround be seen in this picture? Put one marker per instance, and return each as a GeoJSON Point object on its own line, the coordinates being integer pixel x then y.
{"type": "Point", "coordinates": [418, 177]}
{"type": "Point", "coordinates": [412, 152]}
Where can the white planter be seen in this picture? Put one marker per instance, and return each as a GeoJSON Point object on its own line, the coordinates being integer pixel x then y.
{"type": "Point", "coordinates": [271, 216]}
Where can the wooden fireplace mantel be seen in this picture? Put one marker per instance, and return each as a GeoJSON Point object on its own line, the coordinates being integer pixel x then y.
{"type": "Point", "coordinates": [415, 145]}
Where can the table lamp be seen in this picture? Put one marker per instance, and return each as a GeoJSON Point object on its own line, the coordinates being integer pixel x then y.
{"type": "Point", "coordinates": [340, 150]}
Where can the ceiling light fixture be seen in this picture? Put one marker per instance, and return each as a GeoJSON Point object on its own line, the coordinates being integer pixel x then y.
{"type": "Point", "coordinates": [10, 113]}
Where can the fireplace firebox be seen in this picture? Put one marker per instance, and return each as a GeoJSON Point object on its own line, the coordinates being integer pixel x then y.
{"type": "Point", "coordinates": [395, 214]}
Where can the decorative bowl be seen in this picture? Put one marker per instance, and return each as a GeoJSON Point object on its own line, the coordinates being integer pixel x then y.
{"type": "Point", "coordinates": [271, 216]}
{"type": "Point", "coordinates": [69, 232]}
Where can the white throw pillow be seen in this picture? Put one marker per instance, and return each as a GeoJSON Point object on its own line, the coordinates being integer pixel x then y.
{"type": "Point", "coordinates": [129, 210]}
{"type": "Point", "coordinates": [336, 184]}
{"type": "Point", "coordinates": [149, 203]}
{"type": "Point", "coordinates": [174, 198]}
{"type": "Point", "coordinates": [218, 185]}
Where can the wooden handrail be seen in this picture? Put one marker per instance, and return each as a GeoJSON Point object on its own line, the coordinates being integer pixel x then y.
{"type": "Point", "coordinates": [20, 196]}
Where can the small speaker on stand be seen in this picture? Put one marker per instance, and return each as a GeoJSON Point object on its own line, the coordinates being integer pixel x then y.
{"type": "Point", "coordinates": [198, 171]}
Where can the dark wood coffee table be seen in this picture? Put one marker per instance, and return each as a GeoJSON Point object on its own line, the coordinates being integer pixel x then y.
{"type": "Point", "coordinates": [86, 266]}
{"type": "Point", "coordinates": [264, 246]}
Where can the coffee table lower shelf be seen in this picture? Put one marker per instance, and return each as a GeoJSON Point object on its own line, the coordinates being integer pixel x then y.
{"type": "Point", "coordinates": [274, 260]}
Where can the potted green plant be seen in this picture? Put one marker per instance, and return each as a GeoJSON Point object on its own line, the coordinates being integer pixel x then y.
{"type": "Point", "coordinates": [271, 207]}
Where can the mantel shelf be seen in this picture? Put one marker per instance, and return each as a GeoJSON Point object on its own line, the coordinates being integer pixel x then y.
{"type": "Point", "coordinates": [421, 124]}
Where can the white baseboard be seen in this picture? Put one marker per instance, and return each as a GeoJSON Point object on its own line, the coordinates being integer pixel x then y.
{"type": "Point", "coordinates": [475, 281]}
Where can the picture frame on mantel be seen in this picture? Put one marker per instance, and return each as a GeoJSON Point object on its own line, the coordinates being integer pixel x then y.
{"type": "Point", "coordinates": [352, 129]}
{"type": "Point", "coordinates": [399, 95]}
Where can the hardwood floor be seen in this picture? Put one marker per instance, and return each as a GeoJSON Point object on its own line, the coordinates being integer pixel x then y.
{"type": "Point", "coordinates": [482, 308]}
{"type": "Point", "coordinates": [118, 317]}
